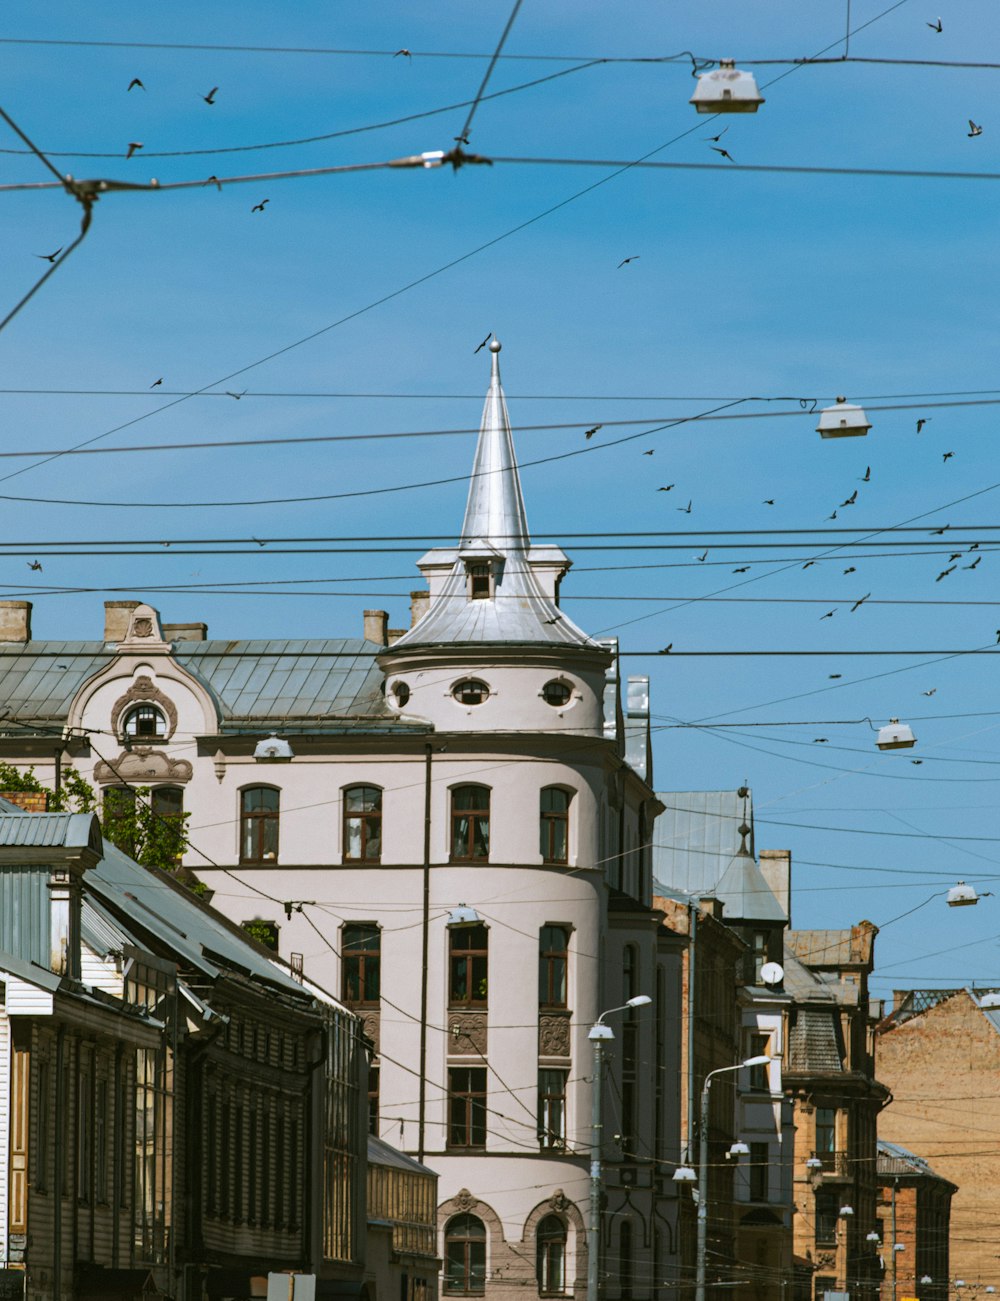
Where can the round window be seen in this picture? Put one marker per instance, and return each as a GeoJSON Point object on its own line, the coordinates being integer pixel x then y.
{"type": "Point", "coordinates": [400, 694]}
{"type": "Point", "coordinates": [556, 693]}
{"type": "Point", "coordinates": [470, 691]}
{"type": "Point", "coordinates": [144, 720]}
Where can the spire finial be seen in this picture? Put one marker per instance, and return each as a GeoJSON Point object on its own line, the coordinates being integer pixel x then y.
{"type": "Point", "coordinates": [495, 347]}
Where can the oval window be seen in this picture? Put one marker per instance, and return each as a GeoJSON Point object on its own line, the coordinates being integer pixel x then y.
{"type": "Point", "coordinates": [556, 693]}
{"type": "Point", "coordinates": [470, 691]}
{"type": "Point", "coordinates": [400, 694]}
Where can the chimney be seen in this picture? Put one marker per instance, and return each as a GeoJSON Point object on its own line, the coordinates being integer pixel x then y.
{"type": "Point", "coordinates": [116, 619]}
{"type": "Point", "coordinates": [376, 626]}
{"type": "Point", "coordinates": [185, 631]}
{"type": "Point", "coordinates": [420, 603]}
{"type": "Point", "coordinates": [394, 634]}
{"type": "Point", "coordinates": [776, 869]}
{"type": "Point", "coordinates": [15, 621]}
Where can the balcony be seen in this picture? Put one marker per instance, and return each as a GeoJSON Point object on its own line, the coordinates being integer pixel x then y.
{"type": "Point", "coordinates": [835, 1165]}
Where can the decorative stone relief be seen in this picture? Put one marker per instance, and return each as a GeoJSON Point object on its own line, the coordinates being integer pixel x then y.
{"type": "Point", "coordinates": [371, 1023]}
{"type": "Point", "coordinates": [142, 765]}
{"type": "Point", "coordinates": [826, 1259]}
{"type": "Point", "coordinates": [464, 1201]}
{"type": "Point", "coordinates": [559, 1201]}
{"type": "Point", "coordinates": [143, 691]}
{"type": "Point", "coordinates": [553, 1034]}
{"type": "Point", "coordinates": [142, 627]}
{"type": "Point", "coordinates": [468, 1033]}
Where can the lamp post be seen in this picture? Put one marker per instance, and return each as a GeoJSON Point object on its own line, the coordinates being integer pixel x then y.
{"type": "Point", "coordinates": [684, 1174]}
{"type": "Point", "coordinates": [598, 1036]}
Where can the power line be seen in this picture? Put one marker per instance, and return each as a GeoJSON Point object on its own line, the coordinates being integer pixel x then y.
{"type": "Point", "coordinates": [463, 136]}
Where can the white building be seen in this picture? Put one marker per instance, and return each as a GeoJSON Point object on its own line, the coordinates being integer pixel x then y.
{"type": "Point", "coordinates": [453, 830]}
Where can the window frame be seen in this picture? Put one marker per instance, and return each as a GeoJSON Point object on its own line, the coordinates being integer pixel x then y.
{"type": "Point", "coordinates": [463, 694]}
{"type": "Point", "coordinates": [552, 1108]}
{"type": "Point", "coordinates": [475, 954]}
{"type": "Point", "coordinates": [549, 820]}
{"type": "Point", "coordinates": [471, 1281]}
{"type": "Point", "coordinates": [160, 729]}
{"type": "Point", "coordinates": [466, 1109]}
{"type": "Point", "coordinates": [546, 1239]}
{"type": "Point", "coordinates": [367, 957]}
{"type": "Point", "coordinates": [758, 1171]}
{"type": "Point", "coordinates": [363, 818]}
{"type": "Point", "coordinates": [259, 820]}
{"type": "Point", "coordinates": [553, 968]}
{"type": "Point", "coordinates": [477, 818]}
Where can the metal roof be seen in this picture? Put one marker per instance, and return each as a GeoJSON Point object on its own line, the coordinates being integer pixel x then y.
{"type": "Point", "coordinates": [48, 830]}
{"type": "Point", "coordinates": [896, 1160]}
{"type": "Point", "coordinates": [259, 680]}
{"type": "Point", "coordinates": [495, 528]}
{"type": "Point", "coordinates": [382, 1153]}
{"type": "Point", "coordinates": [697, 850]}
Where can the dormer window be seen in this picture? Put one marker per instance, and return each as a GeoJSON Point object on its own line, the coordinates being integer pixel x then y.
{"type": "Point", "coordinates": [479, 575]}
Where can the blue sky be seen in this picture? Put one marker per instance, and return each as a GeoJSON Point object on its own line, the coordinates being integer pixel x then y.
{"type": "Point", "coordinates": [764, 285]}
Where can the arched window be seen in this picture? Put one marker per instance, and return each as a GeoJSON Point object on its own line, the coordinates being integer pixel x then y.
{"type": "Point", "coordinates": [464, 1255]}
{"type": "Point", "coordinates": [625, 1259]}
{"type": "Point", "coordinates": [362, 824]}
{"type": "Point", "coordinates": [468, 963]}
{"type": "Point", "coordinates": [554, 825]}
{"type": "Point", "coordinates": [550, 1256]}
{"type": "Point", "coordinates": [361, 951]}
{"type": "Point", "coordinates": [144, 721]}
{"type": "Point", "coordinates": [553, 943]}
{"type": "Point", "coordinates": [470, 824]}
{"type": "Point", "coordinates": [259, 824]}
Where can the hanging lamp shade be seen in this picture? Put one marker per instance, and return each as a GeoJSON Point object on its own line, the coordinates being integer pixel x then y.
{"type": "Point", "coordinates": [843, 420]}
{"type": "Point", "coordinates": [684, 1174]}
{"type": "Point", "coordinates": [895, 736]}
{"type": "Point", "coordinates": [961, 896]}
{"type": "Point", "coordinates": [726, 90]}
{"type": "Point", "coordinates": [274, 749]}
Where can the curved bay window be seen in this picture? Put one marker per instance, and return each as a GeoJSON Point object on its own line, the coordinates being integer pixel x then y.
{"type": "Point", "coordinates": [468, 966]}
{"type": "Point", "coordinates": [361, 951]}
{"type": "Point", "coordinates": [553, 945]}
{"type": "Point", "coordinates": [550, 1256]}
{"type": "Point", "coordinates": [554, 825]}
{"type": "Point", "coordinates": [470, 824]}
{"type": "Point", "coordinates": [464, 1255]}
{"type": "Point", "coordinates": [142, 722]}
{"type": "Point", "coordinates": [362, 824]}
{"type": "Point", "coordinates": [259, 824]}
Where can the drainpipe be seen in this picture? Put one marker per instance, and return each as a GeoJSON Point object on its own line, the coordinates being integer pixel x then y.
{"type": "Point", "coordinates": [424, 949]}
{"type": "Point", "coordinates": [895, 1253]}
{"type": "Point", "coordinates": [61, 1125]}
{"type": "Point", "coordinates": [692, 955]}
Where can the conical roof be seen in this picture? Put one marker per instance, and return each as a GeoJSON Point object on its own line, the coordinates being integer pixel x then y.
{"type": "Point", "coordinates": [495, 530]}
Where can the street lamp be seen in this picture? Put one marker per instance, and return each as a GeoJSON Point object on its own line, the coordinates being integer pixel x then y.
{"type": "Point", "coordinates": [598, 1036]}
{"type": "Point", "coordinates": [684, 1174]}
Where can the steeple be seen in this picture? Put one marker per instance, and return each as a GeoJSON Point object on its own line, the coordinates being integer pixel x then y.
{"type": "Point", "coordinates": [495, 586]}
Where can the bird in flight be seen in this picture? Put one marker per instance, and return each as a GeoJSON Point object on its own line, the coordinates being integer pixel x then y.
{"type": "Point", "coordinates": [237, 396]}
{"type": "Point", "coordinates": [666, 488]}
{"type": "Point", "coordinates": [744, 570]}
{"type": "Point", "coordinates": [703, 556]}
{"type": "Point", "coordinates": [936, 27]}
{"type": "Point", "coordinates": [554, 620]}
{"type": "Point", "coordinates": [944, 573]}
{"type": "Point", "coordinates": [936, 533]}
{"type": "Point", "coordinates": [833, 516]}
{"type": "Point", "coordinates": [650, 452]}
{"type": "Point", "coordinates": [947, 456]}
{"type": "Point", "coordinates": [685, 510]}
{"type": "Point", "coordinates": [998, 636]}
{"type": "Point", "coordinates": [808, 563]}
{"type": "Point", "coordinates": [829, 615]}
{"type": "Point", "coordinates": [861, 602]}
{"type": "Point", "coordinates": [921, 422]}
{"type": "Point", "coordinates": [717, 138]}
{"type": "Point", "coordinates": [588, 434]}
{"type": "Point", "coordinates": [461, 140]}
{"type": "Point", "coordinates": [483, 344]}
{"type": "Point", "coordinates": [259, 207]}
{"type": "Point", "coordinates": [49, 257]}
{"type": "Point", "coordinates": [210, 97]}
{"type": "Point", "coordinates": [929, 693]}
{"type": "Point", "coordinates": [215, 179]}
{"type": "Point", "coordinates": [821, 740]}
{"type": "Point", "coordinates": [133, 145]}
{"type": "Point", "coordinates": [403, 51]}
{"type": "Point", "coordinates": [835, 675]}
{"type": "Point", "coordinates": [259, 542]}
{"type": "Point", "coordinates": [974, 563]}
{"type": "Point", "coordinates": [35, 564]}
{"type": "Point", "coordinates": [955, 555]}
{"type": "Point", "coordinates": [156, 382]}
{"type": "Point", "coordinates": [136, 82]}
{"type": "Point", "coordinates": [851, 570]}
{"type": "Point", "coordinates": [724, 152]}
{"type": "Point", "coordinates": [974, 130]}
{"type": "Point", "coordinates": [626, 260]}
{"type": "Point", "coordinates": [768, 502]}
{"type": "Point", "coordinates": [867, 475]}
{"type": "Point", "coordinates": [667, 649]}
{"type": "Point", "coordinates": [851, 499]}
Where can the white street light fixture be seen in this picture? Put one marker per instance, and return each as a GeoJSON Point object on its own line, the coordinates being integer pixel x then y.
{"type": "Point", "coordinates": [685, 1175]}
{"type": "Point", "coordinates": [843, 420]}
{"type": "Point", "coordinates": [814, 1163]}
{"type": "Point", "coordinates": [926, 1278]}
{"type": "Point", "coordinates": [873, 1236]}
{"type": "Point", "coordinates": [598, 1035]}
{"type": "Point", "coordinates": [463, 915]}
{"type": "Point", "coordinates": [895, 736]}
{"type": "Point", "coordinates": [726, 90]}
{"type": "Point", "coordinates": [961, 896]}
{"type": "Point", "coordinates": [899, 1246]}
{"type": "Point", "coordinates": [846, 1212]}
{"type": "Point", "coordinates": [739, 1148]}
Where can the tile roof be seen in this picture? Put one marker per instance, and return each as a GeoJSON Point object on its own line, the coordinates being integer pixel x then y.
{"type": "Point", "coordinates": [813, 1046]}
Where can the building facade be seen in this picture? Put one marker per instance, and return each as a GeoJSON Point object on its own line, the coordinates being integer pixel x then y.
{"type": "Point", "coordinates": [914, 1210]}
{"type": "Point", "coordinates": [449, 827]}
